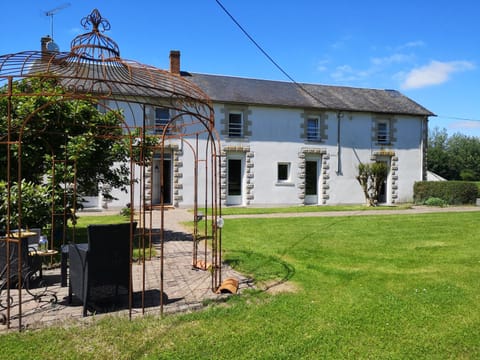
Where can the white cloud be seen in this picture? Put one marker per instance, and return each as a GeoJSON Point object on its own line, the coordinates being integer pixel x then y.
{"type": "Point", "coordinates": [393, 59]}
{"type": "Point", "coordinates": [435, 73]}
{"type": "Point", "coordinates": [322, 65]}
{"type": "Point", "coordinates": [411, 44]}
{"type": "Point", "coordinates": [345, 73]}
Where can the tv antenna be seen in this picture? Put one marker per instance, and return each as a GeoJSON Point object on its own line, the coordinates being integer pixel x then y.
{"type": "Point", "coordinates": [53, 12]}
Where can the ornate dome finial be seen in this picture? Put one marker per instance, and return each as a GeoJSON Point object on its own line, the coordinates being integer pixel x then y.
{"type": "Point", "coordinates": [95, 20]}
{"type": "Point", "coordinates": [94, 45]}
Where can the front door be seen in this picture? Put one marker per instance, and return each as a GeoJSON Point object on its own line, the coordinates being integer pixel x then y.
{"type": "Point", "coordinates": [167, 182]}
{"type": "Point", "coordinates": [162, 182]}
{"type": "Point", "coordinates": [311, 182]}
{"type": "Point", "coordinates": [234, 181]}
{"type": "Point", "coordinates": [383, 195]}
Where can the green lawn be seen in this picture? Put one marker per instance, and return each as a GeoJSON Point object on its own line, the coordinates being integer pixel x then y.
{"type": "Point", "coordinates": [233, 210]}
{"type": "Point", "coordinates": [365, 287]}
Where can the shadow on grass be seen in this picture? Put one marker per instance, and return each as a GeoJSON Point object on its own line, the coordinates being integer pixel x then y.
{"type": "Point", "coordinates": [269, 270]}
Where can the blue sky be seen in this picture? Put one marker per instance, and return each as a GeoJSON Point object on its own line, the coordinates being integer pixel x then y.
{"type": "Point", "coordinates": [427, 49]}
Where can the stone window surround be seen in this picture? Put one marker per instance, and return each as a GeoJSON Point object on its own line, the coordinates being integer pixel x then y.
{"type": "Point", "coordinates": [323, 126]}
{"type": "Point", "coordinates": [391, 121]}
{"type": "Point", "coordinates": [246, 121]}
{"type": "Point", "coordinates": [175, 119]}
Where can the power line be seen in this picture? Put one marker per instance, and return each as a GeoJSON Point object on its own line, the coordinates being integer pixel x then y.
{"type": "Point", "coordinates": [265, 53]}
{"type": "Point", "coordinates": [456, 118]}
{"type": "Point", "coordinates": [254, 42]}
{"type": "Point", "coordinates": [284, 72]}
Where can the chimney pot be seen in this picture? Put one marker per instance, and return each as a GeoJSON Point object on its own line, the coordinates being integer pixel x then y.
{"type": "Point", "coordinates": [175, 62]}
{"type": "Point", "coordinates": [44, 41]}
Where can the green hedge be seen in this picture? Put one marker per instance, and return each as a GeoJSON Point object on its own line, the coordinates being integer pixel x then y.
{"type": "Point", "coordinates": [452, 192]}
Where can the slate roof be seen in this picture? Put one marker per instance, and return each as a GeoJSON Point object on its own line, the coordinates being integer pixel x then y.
{"type": "Point", "coordinates": [278, 93]}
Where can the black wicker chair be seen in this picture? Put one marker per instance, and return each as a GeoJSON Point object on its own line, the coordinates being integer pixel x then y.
{"type": "Point", "coordinates": [100, 269]}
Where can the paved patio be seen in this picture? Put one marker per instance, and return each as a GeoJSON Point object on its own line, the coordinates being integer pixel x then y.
{"type": "Point", "coordinates": [185, 289]}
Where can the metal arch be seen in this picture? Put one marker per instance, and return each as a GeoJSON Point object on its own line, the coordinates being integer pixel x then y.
{"type": "Point", "coordinates": [94, 71]}
{"type": "Point", "coordinates": [212, 176]}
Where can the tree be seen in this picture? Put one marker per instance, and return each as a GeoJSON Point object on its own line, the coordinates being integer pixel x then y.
{"type": "Point", "coordinates": [464, 157]}
{"type": "Point", "coordinates": [36, 205]}
{"type": "Point", "coordinates": [371, 178]}
{"type": "Point", "coordinates": [72, 132]}
{"type": "Point", "coordinates": [69, 139]}
{"type": "Point", "coordinates": [456, 157]}
{"type": "Point", "coordinates": [437, 155]}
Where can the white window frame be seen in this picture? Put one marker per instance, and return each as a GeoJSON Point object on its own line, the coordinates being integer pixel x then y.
{"type": "Point", "coordinates": [235, 130]}
{"type": "Point", "coordinates": [161, 122]}
{"type": "Point", "coordinates": [383, 131]}
{"type": "Point", "coordinates": [315, 134]}
{"type": "Point", "coordinates": [288, 179]}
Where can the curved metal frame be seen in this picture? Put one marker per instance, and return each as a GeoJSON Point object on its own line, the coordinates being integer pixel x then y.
{"type": "Point", "coordinates": [94, 71]}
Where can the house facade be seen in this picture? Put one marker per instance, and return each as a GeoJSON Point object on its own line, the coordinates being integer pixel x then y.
{"type": "Point", "coordinates": [295, 144]}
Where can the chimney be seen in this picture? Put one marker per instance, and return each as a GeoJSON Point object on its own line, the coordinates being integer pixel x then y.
{"type": "Point", "coordinates": [175, 62]}
{"type": "Point", "coordinates": [44, 41]}
{"type": "Point", "coordinates": [44, 49]}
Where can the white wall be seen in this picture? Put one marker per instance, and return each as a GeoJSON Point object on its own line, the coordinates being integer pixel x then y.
{"type": "Point", "coordinates": [276, 137]}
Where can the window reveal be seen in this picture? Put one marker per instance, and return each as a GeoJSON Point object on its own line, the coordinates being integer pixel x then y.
{"type": "Point", "coordinates": [383, 132]}
{"type": "Point", "coordinates": [162, 118]}
{"type": "Point", "coordinates": [313, 129]}
{"type": "Point", "coordinates": [283, 172]}
{"type": "Point", "coordinates": [235, 125]}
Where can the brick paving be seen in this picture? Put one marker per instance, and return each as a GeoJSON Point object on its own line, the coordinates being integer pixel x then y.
{"type": "Point", "coordinates": [185, 288]}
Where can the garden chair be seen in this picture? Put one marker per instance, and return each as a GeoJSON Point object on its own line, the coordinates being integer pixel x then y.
{"type": "Point", "coordinates": [100, 269]}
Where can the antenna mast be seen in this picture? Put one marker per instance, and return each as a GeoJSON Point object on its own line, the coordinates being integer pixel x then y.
{"type": "Point", "coordinates": [53, 12]}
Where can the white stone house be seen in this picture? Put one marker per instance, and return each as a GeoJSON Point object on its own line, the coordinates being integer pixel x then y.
{"type": "Point", "coordinates": [290, 144]}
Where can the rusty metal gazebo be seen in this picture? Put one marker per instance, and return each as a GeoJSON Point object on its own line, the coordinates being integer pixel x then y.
{"type": "Point", "coordinates": [93, 71]}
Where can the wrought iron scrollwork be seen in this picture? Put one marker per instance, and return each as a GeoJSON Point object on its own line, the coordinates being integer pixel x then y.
{"type": "Point", "coordinates": [95, 20]}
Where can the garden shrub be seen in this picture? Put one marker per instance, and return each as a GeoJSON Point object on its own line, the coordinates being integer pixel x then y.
{"type": "Point", "coordinates": [35, 209]}
{"type": "Point", "coordinates": [452, 192]}
{"type": "Point", "coordinates": [434, 201]}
